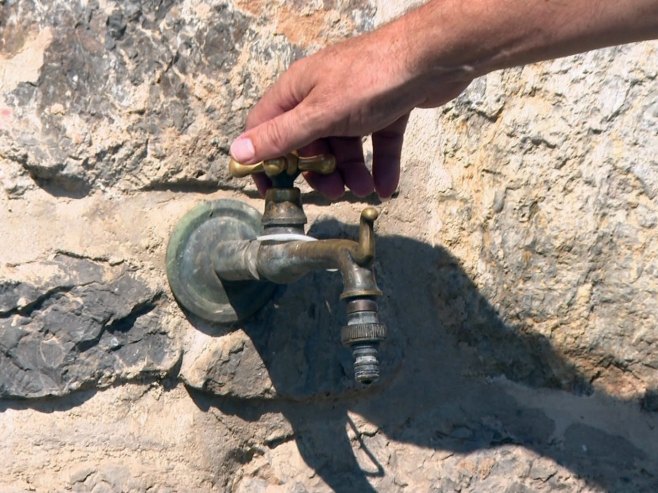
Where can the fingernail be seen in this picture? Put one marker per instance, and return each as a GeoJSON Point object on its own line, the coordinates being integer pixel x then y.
{"type": "Point", "coordinates": [242, 150]}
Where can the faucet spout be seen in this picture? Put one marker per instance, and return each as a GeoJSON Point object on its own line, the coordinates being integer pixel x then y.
{"type": "Point", "coordinates": [284, 263]}
{"type": "Point", "coordinates": [288, 261]}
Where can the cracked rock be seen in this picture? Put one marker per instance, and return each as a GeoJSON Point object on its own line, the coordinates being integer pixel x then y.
{"type": "Point", "coordinates": [87, 324]}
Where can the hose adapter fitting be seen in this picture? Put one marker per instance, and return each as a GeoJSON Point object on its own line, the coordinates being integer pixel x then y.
{"type": "Point", "coordinates": [363, 334]}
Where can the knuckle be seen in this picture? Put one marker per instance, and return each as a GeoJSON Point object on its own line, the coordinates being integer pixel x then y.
{"type": "Point", "coordinates": [320, 116]}
{"type": "Point", "coordinates": [276, 137]}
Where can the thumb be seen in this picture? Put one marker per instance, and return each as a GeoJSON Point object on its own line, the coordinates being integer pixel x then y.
{"type": "Point", "coordinates": [276, 137]}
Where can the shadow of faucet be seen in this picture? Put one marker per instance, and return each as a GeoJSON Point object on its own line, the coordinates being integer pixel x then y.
{"type": "Point", "coordinates": [459, 379]}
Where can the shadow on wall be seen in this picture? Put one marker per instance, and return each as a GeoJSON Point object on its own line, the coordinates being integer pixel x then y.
{"type": "Point", "coordinates": [467, 381]}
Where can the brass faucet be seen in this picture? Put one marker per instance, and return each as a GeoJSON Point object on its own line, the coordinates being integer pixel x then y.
{"type": "Point", "coordinates": [222, 265]}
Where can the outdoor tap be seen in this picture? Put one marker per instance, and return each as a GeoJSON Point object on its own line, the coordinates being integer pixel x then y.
{"type": "Point", "coordinates": [222, 266]}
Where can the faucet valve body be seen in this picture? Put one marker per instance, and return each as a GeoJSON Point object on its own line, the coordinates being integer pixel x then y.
{"type": "Point", "coordinates": [283, 211]}
{"type": "Point", "coordinates": [224, 259]}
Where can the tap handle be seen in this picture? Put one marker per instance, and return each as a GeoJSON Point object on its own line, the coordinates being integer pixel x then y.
{"type": "Point", "coordinates": [367, 236]}
{"type": "Point", "coordinates": [292, 164]}
{"type": "Point", "coordinates": [271, 167]}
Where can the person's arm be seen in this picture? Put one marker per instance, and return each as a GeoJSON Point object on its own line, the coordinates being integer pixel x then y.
{"type": "Point", "coordinates": [370, 83]}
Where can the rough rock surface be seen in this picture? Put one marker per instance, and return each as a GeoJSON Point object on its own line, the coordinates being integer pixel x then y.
{"type": "Point", "coordinates": [132, 95]}
{"type": "Point", "coordinates": [519, 263]}
{"type": "Point", "coordinates": [81, 323]}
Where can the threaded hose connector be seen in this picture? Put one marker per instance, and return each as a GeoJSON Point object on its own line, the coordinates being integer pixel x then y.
{"type": "Point", "coordinates": [364, 339]}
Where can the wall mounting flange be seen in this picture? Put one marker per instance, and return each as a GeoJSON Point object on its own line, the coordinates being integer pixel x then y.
{"type": "Point", "coordinates": [190, 271]}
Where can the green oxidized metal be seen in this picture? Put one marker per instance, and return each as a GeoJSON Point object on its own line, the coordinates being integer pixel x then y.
{"type": "Point", "coordinates": [190, 270]}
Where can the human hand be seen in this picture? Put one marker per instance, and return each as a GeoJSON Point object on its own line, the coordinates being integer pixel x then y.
{"type": "Point", "coordinates": [326, 102]}
{"type": "Point", "coordinates": [369, 84]}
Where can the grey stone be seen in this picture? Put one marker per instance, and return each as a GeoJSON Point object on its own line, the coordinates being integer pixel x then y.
{"type": "Point", "coordinates": [520, 253]}
{"type": "Point", "coordinates": [116, 85]}
{"type": "Point", "coordinates": [542, 471]}
{"type": "Point", "coordinates": [88, 325]}
{"type": "Point", "coordinates": [518, 488]}
{"type": "Point", "coordinates": [612, 454]}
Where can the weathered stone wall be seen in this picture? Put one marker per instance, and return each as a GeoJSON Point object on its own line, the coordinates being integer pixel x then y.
{"type": "Point", "coordinates": [519, 263]}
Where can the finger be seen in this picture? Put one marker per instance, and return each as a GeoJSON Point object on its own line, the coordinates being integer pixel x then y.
{"type": "Point", "coordinates": [351, 165]}
{"type": "Point", "coordinates": [315, 148]}
{"type": "Point", "coordinates": [288, 91]}
{"type": "Point", "coordinates": [386, 152]}
{"type": "Point", "coordinates": [278, 136]}
{"type": "Point", "coordinates": [264, 183]}
{"type": "Point", "coordinates": [331, 186]}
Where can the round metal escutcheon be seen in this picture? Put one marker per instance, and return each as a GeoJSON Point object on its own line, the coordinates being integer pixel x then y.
{"type": "Point", "coordinates": [190, 271]}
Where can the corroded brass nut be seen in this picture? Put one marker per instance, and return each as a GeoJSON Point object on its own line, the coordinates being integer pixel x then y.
{"type": "Point", "coordinates": [365, 332]}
